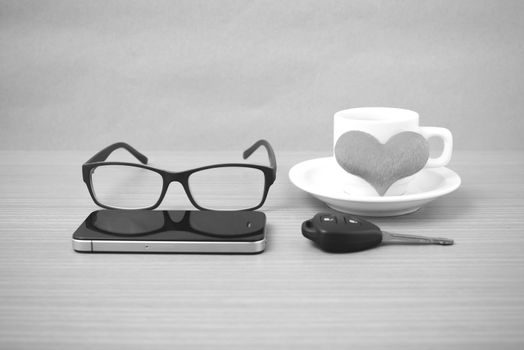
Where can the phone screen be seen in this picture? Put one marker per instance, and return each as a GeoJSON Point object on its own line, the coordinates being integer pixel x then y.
{"type": "Point", "coordinates": [172, 225]}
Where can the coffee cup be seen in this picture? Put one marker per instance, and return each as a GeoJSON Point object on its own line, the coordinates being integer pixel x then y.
{"type": "Point", "coordinates": [379, 150]}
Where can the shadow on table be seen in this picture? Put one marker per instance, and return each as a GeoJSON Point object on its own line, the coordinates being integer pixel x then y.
{"type": "Point", "coordinates": [459, 204]}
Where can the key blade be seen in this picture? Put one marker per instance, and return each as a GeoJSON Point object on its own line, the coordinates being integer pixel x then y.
{"type": "Point", "coordinates": [388, 237]}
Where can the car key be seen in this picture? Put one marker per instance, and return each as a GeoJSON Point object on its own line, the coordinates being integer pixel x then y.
{"type": "Point", "coordinates": [344, 233]}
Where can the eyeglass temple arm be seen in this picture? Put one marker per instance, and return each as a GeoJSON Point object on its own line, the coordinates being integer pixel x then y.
{"type": "Point", "coordinates": [272, 159]}
{"type": "Point", "coordinates": [103, 154]}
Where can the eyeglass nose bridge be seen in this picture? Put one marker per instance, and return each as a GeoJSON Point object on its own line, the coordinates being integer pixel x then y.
{"type": "Point", "coordinates": [183, 179]}
{"type": "Point", "coordinates": [180, 177]}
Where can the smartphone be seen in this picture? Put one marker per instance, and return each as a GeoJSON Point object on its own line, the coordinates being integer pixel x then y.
{"type": "Point", "coordinates": [172, 231]}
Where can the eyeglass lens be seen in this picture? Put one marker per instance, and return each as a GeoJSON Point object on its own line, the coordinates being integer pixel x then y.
{"type": "Point", "coordinates": [227, 188]}
{"type": "Point", "coordinates": [126, 187]}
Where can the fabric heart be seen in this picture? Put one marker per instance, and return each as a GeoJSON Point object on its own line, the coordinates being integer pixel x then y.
{"type": "Point", "coordinates": [381, 165]}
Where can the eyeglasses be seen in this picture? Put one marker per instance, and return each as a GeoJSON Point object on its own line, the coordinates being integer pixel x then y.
{"type": "Point", "coordinates": [230, 186]}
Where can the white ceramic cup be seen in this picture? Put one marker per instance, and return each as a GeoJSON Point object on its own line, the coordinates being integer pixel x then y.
{"type": "Point", "coordinates": [383, 123]}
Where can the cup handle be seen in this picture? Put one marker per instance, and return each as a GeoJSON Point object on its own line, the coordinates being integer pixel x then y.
{"type": "Point", "coordinates": [447, 138]}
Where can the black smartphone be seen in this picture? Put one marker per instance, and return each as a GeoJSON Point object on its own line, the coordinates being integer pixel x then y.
{"type": "Point", "coordinates": [172, 231]}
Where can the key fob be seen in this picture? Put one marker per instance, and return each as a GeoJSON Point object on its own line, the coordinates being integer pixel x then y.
{"type": "Point", "coordinates": [341, 233]}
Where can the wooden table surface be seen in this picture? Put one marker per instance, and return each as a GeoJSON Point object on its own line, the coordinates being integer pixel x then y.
{"type": "Point", "coordinates": [466, 296]}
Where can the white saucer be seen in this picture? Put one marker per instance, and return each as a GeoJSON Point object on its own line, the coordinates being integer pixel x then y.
{"type": "Point", "coordinates": [319, 178]}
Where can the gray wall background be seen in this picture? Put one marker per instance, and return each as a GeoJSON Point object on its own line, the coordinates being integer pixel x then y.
{"type": "Point", "coordinates": [220, 74]}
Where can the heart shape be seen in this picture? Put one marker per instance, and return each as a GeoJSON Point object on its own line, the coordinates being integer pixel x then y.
{"type": "Point", "coordinates": [381, 165]}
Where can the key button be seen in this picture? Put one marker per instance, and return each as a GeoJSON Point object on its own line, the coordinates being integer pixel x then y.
{"type": "Point", "coordinates": [352, 221]}
{"type": "Point", "coordinates": [328, 219]}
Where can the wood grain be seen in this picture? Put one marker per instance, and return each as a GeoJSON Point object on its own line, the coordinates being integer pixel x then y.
{"type": "Point", "coordinates": [466, 296]}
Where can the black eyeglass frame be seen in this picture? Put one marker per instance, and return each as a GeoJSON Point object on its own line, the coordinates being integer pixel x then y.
{"type": "Point", "coordinates": [182, 177]}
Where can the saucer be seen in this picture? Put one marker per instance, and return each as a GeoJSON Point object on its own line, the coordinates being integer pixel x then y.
{"type": "Point", "coordinates": [319, 177]}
